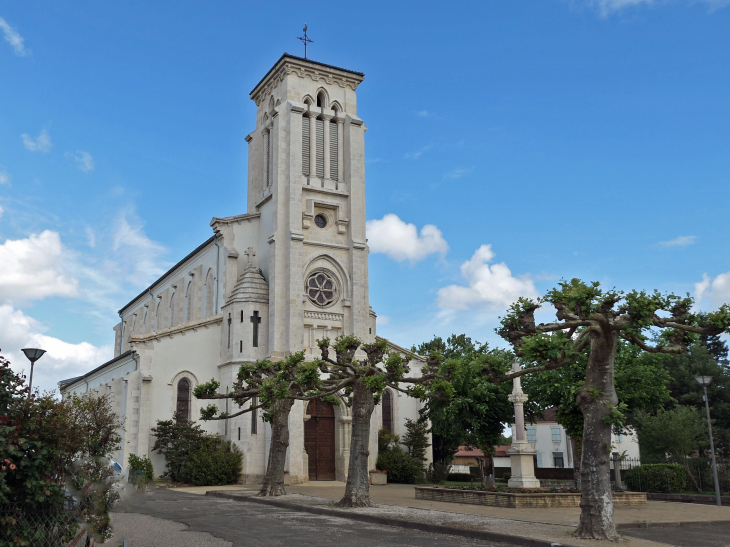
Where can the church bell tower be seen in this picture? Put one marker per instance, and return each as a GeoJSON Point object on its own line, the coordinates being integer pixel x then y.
{"type": "Point", "coordinates": [306, 180]}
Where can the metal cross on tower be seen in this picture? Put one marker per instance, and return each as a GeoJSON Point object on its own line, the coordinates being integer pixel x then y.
{"type": "Point", "coordinates": [305, 39]}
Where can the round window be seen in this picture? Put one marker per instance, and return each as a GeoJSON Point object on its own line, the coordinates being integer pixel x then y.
{"type": "Point", "coordinates": [320, 221]}
{"type": "Point", "coordinates": [321, 288]}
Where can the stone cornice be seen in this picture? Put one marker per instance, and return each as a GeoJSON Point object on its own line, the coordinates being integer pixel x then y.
{"type": "Point", "coordinates": [178, 329]}
{"type": "Point", "coordinates": [304, 68]}
{"type": "Point", "coordinates": [234, 219]}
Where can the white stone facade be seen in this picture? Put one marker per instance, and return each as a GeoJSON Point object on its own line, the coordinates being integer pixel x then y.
{"type": "Point", "coordinates": [305, 223]}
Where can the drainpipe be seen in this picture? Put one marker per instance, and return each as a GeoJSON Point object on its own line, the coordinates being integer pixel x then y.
{"type": "Point", "coordinates": [217, 277]}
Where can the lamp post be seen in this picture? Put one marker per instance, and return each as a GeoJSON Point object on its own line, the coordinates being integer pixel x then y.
{"type": "Point", "coordinates": [33, 355]}
{"type": "Point", "coordinates": [705, 381]}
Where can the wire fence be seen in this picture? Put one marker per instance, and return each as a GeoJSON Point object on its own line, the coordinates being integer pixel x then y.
{"type": "Point", "coordinates": [21, 526]}
{"type": "Point", "coordinates": [683, 476]}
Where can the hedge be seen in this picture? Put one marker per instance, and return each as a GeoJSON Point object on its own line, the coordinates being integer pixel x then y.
{"type": "Point", "coordinates": [656, 477]}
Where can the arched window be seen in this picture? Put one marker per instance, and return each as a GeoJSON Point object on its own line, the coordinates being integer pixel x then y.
{"type": "Point", "coordinates": [209, 293]}
{"type": "Point", "coordinates": [171, 310]}
{"type": "Point", "coordinates": [388, 410]}
{"type": "Point", "coordinates": [157, 315]}
{"type": "Point", "coordinates": [321, 99]}
{"type": "Point", "coordinates": [189, 303]}
{"type": "Point", "coordinates": [183, 399]}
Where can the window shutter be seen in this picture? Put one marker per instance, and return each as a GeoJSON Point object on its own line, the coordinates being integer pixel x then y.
{"type": "Point", "coordinates": [305, 146]}
{"type": "Point", "coordinates": [320, 148]}
{"type": "Point", "coordinates": [334, 175]}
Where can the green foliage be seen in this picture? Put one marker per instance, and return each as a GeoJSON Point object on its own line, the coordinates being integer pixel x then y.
{"type": "Point", "coordinates": [658, 477]}
{"type": "Point", "coordinates": [214, 462]}
{"type": "Point", "coordinates": [401, 467]}
{"type": "Point", "coordinates": [675, 432]}
{"type": "Point", "coordinates": [176, 439]}
{"type": "Point", "coordinates": [640, 381]}
{"type": "Point", "coordinates": [207, 390]}
{"type": "Point", "coordinates": [387, 440]}
{"type": "Point", "coordinates": [416, 440]}
{"type": "Point", "coordinates": [701, 361]}
{"type": "Point", "coordinates": [47, 444]}
{"type": "Point", "coordinates": [477, 410]}
{"type": "Point", "coordinates": [137, 463]}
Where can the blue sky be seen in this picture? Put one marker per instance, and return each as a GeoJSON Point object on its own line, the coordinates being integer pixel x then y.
{"type": "Point", "coordinates": [510, 144]}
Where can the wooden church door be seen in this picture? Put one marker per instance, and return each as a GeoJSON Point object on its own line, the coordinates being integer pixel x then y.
{"type": "Point", "coordinates": [319, 441]}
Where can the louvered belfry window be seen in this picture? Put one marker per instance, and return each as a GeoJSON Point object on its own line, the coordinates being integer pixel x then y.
{"type": "Point", "coordinates": [320, 148]}
{"type": "Point", "coordinates": [305, 146]}
{"type": "Point", "coordinates": [334, 175]}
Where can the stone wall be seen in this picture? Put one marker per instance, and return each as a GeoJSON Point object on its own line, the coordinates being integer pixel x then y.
{"type": "Point", "coordinates": [518, 501]}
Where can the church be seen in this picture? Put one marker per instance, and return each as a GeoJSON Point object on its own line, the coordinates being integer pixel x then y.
{"type": "Point", "coordinates": [290, 270]}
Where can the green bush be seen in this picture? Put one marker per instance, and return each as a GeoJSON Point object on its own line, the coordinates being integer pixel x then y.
{"type": "Point", "coordinates": [213, 462]}
{"type": "Point", "coordinates": [401, 467]}
{"type": "Point", "coordinates": [176, 439]}
{"type": "Point", "coordinates": [141, 464]}
{"type": "Point", "coordinates": [657, 477]}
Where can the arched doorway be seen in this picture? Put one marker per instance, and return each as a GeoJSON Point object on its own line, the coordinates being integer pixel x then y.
{"type": "Point", "coordinates": [319, 441]}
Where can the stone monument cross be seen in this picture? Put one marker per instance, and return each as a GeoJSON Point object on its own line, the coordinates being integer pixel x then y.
{"type": "Point", "coordinates": [521, 454]}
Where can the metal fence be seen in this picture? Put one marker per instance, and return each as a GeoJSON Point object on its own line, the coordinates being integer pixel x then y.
{"type": "Point", "coordinates": [20, 526]}
{"type": "Point", "coordinates": [683, 476]}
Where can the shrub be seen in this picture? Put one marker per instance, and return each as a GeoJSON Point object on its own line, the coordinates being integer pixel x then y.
{"type": "Point", "coordinates": [213, 462]}
{"type": "Point", "coordinates": [437, 472]}
{"type": "Point", "coordinates": [142, 464]}
{"type": "Point", "coordinates": [401, 467]}
{"type": "Point", "coordinates": [657, 477]}
{"type": "Point", "coordinates": [416, 440]}
{"type": "Point", "coordinates": [176, 439]}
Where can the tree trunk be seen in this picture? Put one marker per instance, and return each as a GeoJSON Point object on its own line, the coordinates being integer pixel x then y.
{"type": "Point", "coordinates": [595, 401]}
{"type": "Point", "coordinates": [357, 489]}
{"type": "Point", "coordinates": [576, 447]}
{"type": "Point", "coordinates": [274, 478]}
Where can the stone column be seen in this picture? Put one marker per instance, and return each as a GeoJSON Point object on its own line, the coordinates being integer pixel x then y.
{"type": "Point", "coordinates": [521, 454]}
{"type": "Point", "coordinates": [312, 144]}
{"type": "Point", "coordinates": [340, 148]}
{"type": "Point", "coordinates": [326, 132]}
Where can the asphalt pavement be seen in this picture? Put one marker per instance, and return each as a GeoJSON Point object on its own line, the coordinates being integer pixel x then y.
{"type": "Point", "coordinates": [707, 535]}
{"type": "Point", "coordinates": [247, 524]}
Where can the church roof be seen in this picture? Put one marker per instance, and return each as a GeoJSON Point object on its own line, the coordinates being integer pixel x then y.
{"type": "Point", "coordinates": [168, 272]}
{"type": "Point", "coordinates": [302, 59]}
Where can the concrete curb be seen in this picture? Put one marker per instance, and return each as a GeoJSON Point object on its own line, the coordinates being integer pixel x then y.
{"type": "Point", "coordinates": [633, 525]}
{"type": "Point", "coordinates": [433, 528]}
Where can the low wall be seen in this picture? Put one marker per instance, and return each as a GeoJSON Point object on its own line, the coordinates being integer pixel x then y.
{"type": "Point", "coordinates": [517, 501]}
{"type": "Point", "coordinates": [687, 498]}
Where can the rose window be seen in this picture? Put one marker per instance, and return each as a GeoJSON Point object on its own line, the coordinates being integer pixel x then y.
{"type": "Point", "coordinates": [321, 288]}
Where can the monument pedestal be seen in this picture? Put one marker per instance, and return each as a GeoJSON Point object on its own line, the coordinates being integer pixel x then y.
{"type": "Point", "coordinates": [523, 468]}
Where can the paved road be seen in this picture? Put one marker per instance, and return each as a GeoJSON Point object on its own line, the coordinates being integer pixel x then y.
{"type": "Point", "coordinates": [246, 524]}
{"type": "Point", "coordinates": [711, 535]}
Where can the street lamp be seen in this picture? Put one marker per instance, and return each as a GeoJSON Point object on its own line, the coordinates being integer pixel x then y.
{"type": "Point", "coordinates": [705, 381]}
{"type": "Point", "coordinates": [33, 355]}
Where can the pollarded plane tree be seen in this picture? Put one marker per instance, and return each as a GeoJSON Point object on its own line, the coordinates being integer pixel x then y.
{"type": "Point", "coordinates": [364, 381]}
{"type": "Point", "coordinates": [593, 320]}
{"type": "Point", "coordinates": [277, 385]}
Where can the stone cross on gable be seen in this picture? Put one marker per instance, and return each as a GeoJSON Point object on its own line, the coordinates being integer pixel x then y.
{"type": "Point", "coordinates": [250, 253]}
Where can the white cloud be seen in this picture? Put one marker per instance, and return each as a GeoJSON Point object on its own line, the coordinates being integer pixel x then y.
{"type": "Point", "coordinates": [1, 212]}
{"type": "Point", "coordinates": [40, 144]}
{"type": "Point", "coordinates": [382, 320]}
{"type": "Point", "coordinates": [681, 241]}
{"type": "Point", "coordinates": [400, 241]}
{"type": "Point", "coordinates": [607, 7]}
{"type": "Point", "coordinates": [91, 237]}
{"type": "Point", "coordinates": [137, 252]}
{"type": "Point", "coordinates": [424, 113]}
{"type": "Point", "coordinates": [488, 287]}
{"type": "Point", "coordinates": [13, 38]}
{"type": "Point", "coordinates": [83, 160]}
{"type": "Point", "coordinates": [458, 173]}
{"type": "Point", "coordinates": [4, 177]}
{"type": "Point", "coordinates": [62, 360]}
{"type": "Point", "coordinates": [417, 154]}
{"type": "Point", "coordinates": [714, 292]}
{"type": "Point", "coordinates": [33, 268]}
